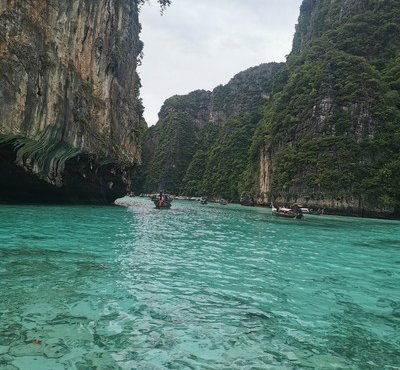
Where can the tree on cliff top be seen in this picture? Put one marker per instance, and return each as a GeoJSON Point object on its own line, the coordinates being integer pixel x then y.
{"type": "Point", "coordinates": [163, 3]}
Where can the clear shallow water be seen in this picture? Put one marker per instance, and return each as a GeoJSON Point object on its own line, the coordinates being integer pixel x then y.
{"type": "Point", "coordinates": [196, 287]}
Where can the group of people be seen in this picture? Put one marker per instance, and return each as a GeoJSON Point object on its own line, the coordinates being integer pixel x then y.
{"type": "Point", "coordinates": [162, 200]}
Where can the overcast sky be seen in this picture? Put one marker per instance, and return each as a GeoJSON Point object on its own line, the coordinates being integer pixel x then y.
{"type": "Point", "coordinates": [200, 44]}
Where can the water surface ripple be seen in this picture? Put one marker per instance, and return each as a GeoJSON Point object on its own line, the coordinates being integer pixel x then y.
{"type": "Point", "coordinates": [196, 287]}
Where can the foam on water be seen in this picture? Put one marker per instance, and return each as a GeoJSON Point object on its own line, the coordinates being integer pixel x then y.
{"type": "Point", "coordinates": [196, 287]}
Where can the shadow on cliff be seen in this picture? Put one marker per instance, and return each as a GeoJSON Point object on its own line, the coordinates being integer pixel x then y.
{"type": "Point", "coordinates": [83, 183]}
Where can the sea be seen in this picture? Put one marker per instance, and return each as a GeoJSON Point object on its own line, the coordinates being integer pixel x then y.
{"type": "Point", "coordinates": [196, 287]}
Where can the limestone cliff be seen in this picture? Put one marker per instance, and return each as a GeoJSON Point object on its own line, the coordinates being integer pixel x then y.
{"type": "Point", "coordinates": [170, 145]}
{"type": "Point", "coordinates": [199, 136]}
{"type": "Point", "coordinates": [330, 136]}
{"type": "Point", "coordinates": [70, 116]}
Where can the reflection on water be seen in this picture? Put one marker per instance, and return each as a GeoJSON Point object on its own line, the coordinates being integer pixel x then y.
{"type": "Point", "coordinates": [196, 287]}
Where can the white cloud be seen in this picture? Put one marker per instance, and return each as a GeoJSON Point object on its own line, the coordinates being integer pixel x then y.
{"type": "Point", "coordinates": [199, 44]}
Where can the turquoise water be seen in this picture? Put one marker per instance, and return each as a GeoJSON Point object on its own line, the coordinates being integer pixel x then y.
{"type": "Point", "coordinates": [196, 287]}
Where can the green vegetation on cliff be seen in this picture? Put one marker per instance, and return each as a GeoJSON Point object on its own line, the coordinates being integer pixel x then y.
{"type": "Point", "coordinates": [227, 159]}
{"type": "Point", "coordinates": [334, 126]}
{"type": "Point", "coordinates": [170, 145]}
{"type": "Point", "coordinates": [176, 146]}
{"type": "Point", "coordinates": [200, 145]}
{"type": "Point", "coordinates": [192, 182]}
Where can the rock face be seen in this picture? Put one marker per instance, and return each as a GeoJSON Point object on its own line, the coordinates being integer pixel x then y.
{"type": "Point", "coordinates": [200, 135]}
{"type": "Point", "coordinates": [70, 117]}
{"type": "Point", "coordinates": [170, 145]}
{"type": "Point", "coordinates": [330, 137]}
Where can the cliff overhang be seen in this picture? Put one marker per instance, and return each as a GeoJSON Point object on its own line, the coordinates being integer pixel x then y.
{"type": "Point", "coordinates": [70, 113]}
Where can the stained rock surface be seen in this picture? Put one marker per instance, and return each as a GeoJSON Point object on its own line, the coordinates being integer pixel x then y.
{"type": "Point", "coordinates": [70, 116]}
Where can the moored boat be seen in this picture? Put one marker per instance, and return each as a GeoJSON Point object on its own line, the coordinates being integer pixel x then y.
{"type": "Point", "coordinates": [293, 212]}
{"type": "Point", "coordinates": [305, 209]}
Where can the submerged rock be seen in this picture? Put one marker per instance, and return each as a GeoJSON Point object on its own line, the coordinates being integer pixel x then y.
{"type": "Point", "coordinates": [55, 350]}
{"type": "Point", "coordinates": [4, 349]}
{"type": "Point", "coordinates": [8, 367]}
{"type": "Point", "coordinates": [102, 361]}
{"type": "Point", "coordinates": [29, 349]}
